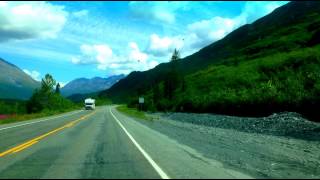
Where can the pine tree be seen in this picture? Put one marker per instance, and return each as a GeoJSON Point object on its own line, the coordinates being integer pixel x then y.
{"type": "Point", "coordinates": [172, 78]}
{"type": "Point", "coordinates": [183, 85]}
{"type": "Point", "coordinates": [58, 88]}
{"type": "Point", "coordinates": [48, 83]}
{"type": "Point", "coordinates": [174, 59]}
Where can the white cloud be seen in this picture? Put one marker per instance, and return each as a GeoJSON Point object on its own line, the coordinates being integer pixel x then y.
{"type": "Point", "coordinates": [133, 60]}
{"type": "Point", "coordinates": [158, 12]}
{"type": "Point", "coordinates": [153, 64]}
{"type": "Point", "coordinates": [254, 10]}
{"type": "Point", "coordinates": [27, 20]}
{"type": "Point", "coordinates": [161, 47]}
{"type": "Point", "coordinates": [207, 31]}
{"type": "Point", "coordinates": [102, 55]}
{"type": "Point", "coordinates": [3, 4]}
{"type": "Point", "coordinates": [202, 33]}
{"type": "Point", "coordinates": [34, 74]}
{"type": "Point", "coordinates": [135, 54]}
{"type": "Point", "coordinates": [75, 60]}
{"type": "Point", "coordinates": [93, 54]}
{"type": "Point", "coordinates": [80, 14]}
{"type": "Point", "coordinates": [121, 71]}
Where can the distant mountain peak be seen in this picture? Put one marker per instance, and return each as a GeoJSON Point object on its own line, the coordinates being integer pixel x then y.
{"type": "Point", "coordinates": [14, 83]}
{"type": "Point", "coordinates": [86, 85]}
{"type": "Point", "coordinates": [8, 63]}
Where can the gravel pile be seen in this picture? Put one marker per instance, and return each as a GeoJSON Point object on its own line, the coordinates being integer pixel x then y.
{"type": "Point", "coordinates": [282, 124]}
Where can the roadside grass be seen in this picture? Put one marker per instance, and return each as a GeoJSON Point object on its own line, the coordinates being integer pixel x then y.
{"type": "Point", "coordinates": [25, 117]}
{"type": "Point", "coordinates": [133, 112]}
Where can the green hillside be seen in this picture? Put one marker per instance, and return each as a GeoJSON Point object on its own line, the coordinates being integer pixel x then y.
{"type": "Point", "coordinates": [276, 83]}
{"type": "Point", "coordinates": [14, 83]}
{"type": "Point", "coordinates": [268, 66]}
{"type": "Point", "coordinates": [288, 28]}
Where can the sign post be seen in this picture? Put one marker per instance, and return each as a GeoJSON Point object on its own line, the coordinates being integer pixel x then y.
{"type": "Point", "coordinates": [141, 102]}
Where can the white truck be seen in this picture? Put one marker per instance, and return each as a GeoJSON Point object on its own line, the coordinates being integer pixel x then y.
{"type": "Point", "coordinates": [89, 103]}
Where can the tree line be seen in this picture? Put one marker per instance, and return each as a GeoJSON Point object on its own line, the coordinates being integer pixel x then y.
{"type": "Point", "coordinates": [162, 93]}
{"type": "Point", "coordinates": [48, 97]}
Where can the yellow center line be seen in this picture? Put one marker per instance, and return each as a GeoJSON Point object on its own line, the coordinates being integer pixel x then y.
{"type": "Point", "coordinates": [13, 149]}
{"type": "Point", "coordinates": [24, 147]}
{"type": "Point", "coordinates": [37, 139]}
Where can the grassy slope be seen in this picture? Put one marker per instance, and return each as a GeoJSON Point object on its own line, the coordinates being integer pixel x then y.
{"type": "Point", "coordinates": [280, 82]}
{"type": "Point", "coordinates": [288, 28]}
{"type": "Point", "coordinates": [133, 112]}
{"type": "Point", "coordinates": [269, 66]}
{"type": "Point", "coordinates": [285, 78]}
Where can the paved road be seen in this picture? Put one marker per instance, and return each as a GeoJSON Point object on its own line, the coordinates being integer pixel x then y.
{"type": "Point", "coordinates": [99, 144]}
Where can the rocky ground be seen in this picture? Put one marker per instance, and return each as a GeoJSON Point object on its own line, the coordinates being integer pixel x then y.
{"type": "Point", "coordinates": [287, 124]}
{"type": "Point", "coordinates": [282, 145]}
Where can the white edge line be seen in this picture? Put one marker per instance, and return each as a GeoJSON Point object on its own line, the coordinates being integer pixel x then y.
{"type": "Point", "coordinates": [40, 120]}
{"type": "Point", "coordinates": [162, 174]}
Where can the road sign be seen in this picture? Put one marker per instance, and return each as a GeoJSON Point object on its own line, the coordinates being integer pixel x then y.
{"type": "Point", "coordinates": [141, 100]}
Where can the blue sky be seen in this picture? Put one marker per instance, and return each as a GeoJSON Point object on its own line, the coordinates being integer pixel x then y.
{"type": "Point", "coordinates": [86, 39]}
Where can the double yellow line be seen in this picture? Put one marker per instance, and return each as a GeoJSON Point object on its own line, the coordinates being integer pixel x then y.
{"type": "Point", "coordinates": [37, 139]}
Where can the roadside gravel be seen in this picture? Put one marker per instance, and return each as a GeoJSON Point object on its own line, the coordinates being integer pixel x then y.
{"type": "Point", "coordinates": [283, 145]}
{"type": "Point", "coordinates": [287, 124]}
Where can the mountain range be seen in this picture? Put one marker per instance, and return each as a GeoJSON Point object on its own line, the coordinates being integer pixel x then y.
{"type": "Point", "coordinates": [14, 83]}
{"type": "Point", "coordinates": [87, 86]}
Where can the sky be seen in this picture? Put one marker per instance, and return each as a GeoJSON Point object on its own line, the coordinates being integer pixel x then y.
{"type": "Point", "coordinates": [71, 40]}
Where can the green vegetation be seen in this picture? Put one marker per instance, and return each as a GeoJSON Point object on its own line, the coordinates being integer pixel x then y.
{"type": "Point", "coordinates": [12, 106]}
{"type": "Point", "coordinates": [172, 78]}
{"type": "Point", "coordinates": [57, 89]}
{"type": "Point", "coordinates": [280, 82]}
{"type": "Point", "coordinates": [133, 112]}
{"type": "Point", "coordinates": [275, 33]}
{"type": "Point", "coordinates": [46, 99]}
{"type": "Point", "coordinates": [44, 102]}
{"type": "Point", "coordinates": [24, 117]}
{"type": "Point", "coordinates": [271, 65]}
{"type": "Point", "coordinates": [102, 101]}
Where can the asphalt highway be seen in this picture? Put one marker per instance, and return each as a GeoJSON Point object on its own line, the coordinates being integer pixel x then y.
{"type": "Point", "coordinates": [102, 143]}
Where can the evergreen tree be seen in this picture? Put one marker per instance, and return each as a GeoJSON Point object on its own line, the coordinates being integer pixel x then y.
{"type": "Point", "coordinates": [183, 84]}
{"type": "Point", "coordinates": [156, 94]}
{"type": "Point", "coordinates": [172, 78]}
{"type": "Point", "coordinates": [47, 98]}
{"type": "Point", "coordinates": [58, 89]}
{"type": "Point", "coordinates": [48, 83]}
{"type": "Point", "coordinates": [175, 55]}
{"type": "Point", "coordinates": [174, 60]}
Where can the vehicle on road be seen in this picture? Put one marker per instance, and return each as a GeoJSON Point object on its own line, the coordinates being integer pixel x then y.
{"type": "Point", "coordinates": [89, 104]}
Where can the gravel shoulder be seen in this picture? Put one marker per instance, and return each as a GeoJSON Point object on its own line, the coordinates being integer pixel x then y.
{"type": "Point", "coordinates": [279, 146]}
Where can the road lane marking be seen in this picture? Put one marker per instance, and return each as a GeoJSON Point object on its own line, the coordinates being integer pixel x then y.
{"type": "Point", "coordinates": [162, 174]}
{"type": "Point", "coordinates": [39, 121]}
{"type": "Point", "coordinates": [24, 147]}
{"type": "Point", "coordinates": [37, 139]}
{"type": "Point", "coordinates": [14, 148]}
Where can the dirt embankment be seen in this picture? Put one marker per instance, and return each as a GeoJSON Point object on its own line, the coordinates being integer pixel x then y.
{"type": "Point", "coordinates": [283, 145]}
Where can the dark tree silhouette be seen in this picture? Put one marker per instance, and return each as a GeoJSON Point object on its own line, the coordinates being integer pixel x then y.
{"type": "Point", "coordinates": [58, 89]}
{"type": "Point", "coordinates": [172, 78]}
